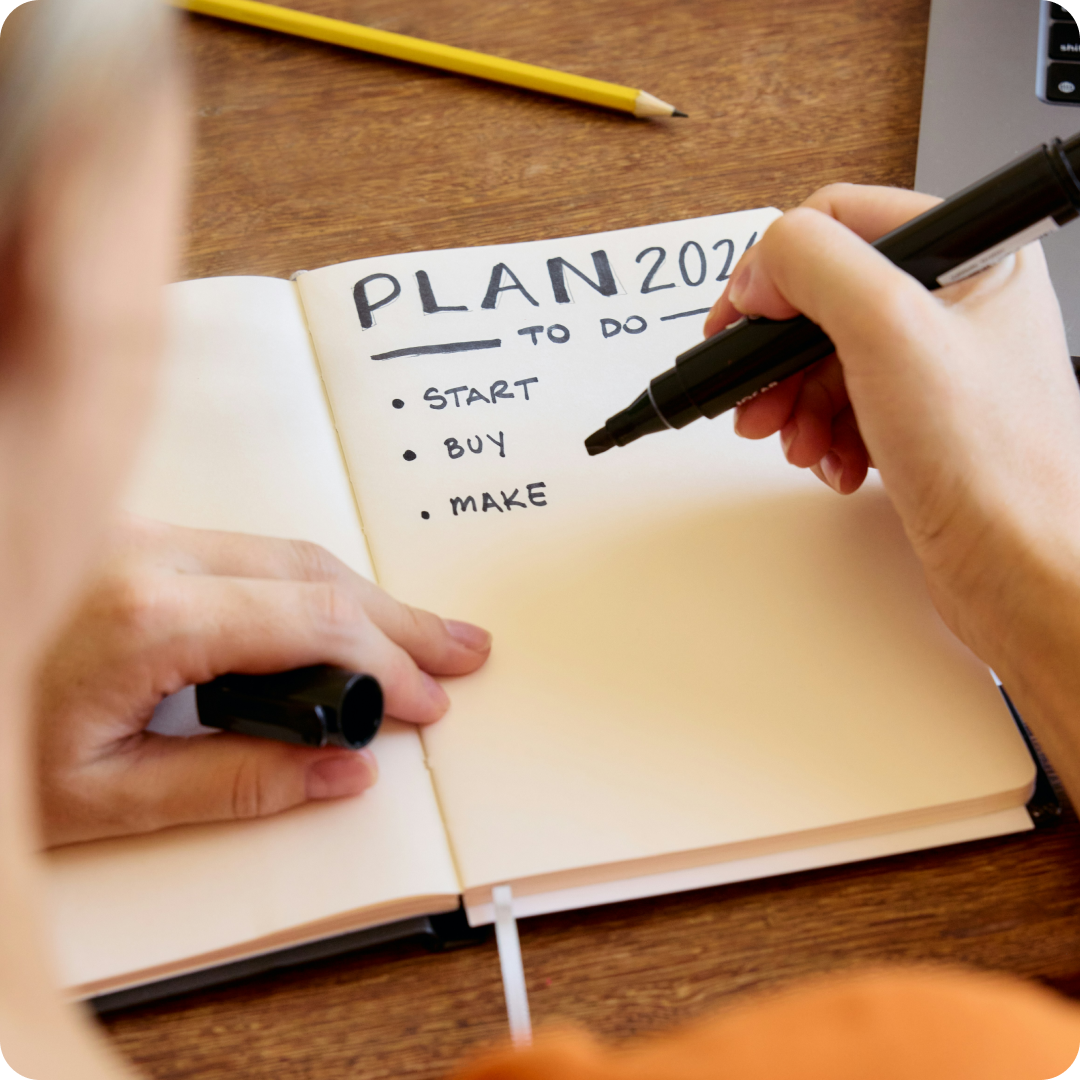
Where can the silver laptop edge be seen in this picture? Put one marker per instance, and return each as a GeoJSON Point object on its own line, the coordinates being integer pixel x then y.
{"type": "Point", "coordinates": [985, 70]}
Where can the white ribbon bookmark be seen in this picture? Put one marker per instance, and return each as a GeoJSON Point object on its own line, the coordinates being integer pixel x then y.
{"type": "Point", "coordinates": [513, 970]}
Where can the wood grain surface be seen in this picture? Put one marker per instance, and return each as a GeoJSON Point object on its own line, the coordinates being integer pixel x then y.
{"type": "Point", "coordinates": [308, 155]}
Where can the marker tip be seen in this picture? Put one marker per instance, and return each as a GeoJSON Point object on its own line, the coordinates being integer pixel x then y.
{"type": "Point", "coordinates": [598, 442]}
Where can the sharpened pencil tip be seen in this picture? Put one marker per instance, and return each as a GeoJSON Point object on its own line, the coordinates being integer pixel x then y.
{"type": "Point", "coordinates": [598, 442]}
{"type": "Point", "coordinates": [679, 112]}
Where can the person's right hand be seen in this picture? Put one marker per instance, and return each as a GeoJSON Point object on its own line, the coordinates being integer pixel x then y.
{"type": "Point", "coordinates": [177, 606]}
{"type": "Point", "coordinates": [964, 399]}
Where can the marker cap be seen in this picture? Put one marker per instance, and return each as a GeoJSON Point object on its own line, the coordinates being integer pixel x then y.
{"type": "Point", "coordinates": [312, 706]}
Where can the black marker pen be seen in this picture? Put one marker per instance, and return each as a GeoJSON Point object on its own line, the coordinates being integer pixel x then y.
{"type": "Point", "coordinates": [312, 706]}
{"type": "Point", "coordinates": [965, 234]}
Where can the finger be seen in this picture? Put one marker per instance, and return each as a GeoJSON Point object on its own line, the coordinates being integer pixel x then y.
{"type": "Point", "coordinates": [735, 301]}
{"type": "Point", "coordinates": [233, 554]}
{"type": "Point", "coordinates": [870, 211]}
{"type": "Point", "coordinates": [808, 435]}
{"type": "Point", "coordinates": [723, 312]}
{"type": "Point", "coordinates": [192, 629]}
{"type": "Point", "coordinates": [810, 263]}
{"type": "Point", "coordinates": [442, 647]}
{"type": "Point", "coordinates": [161, 782]}
{"type": "Point", "coordinates": [766, 413]}
{"type": "Point", "coordinates": [845, 465]}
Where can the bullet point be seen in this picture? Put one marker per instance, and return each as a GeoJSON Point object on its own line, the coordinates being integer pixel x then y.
{"type": "Point", "coordinates": [424, 514]}
{"type": "Point", "coordinates": [409, 455]}
{"type": "Point", "coordinates": [398, 403]}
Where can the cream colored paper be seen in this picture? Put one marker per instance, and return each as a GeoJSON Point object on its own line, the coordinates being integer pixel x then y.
{"type": "Point", "coordinates": [998, 823]}
{"type": "Point", "coordinates": [134, 910]}
{"type": "Point", "coordinates": [242, 439]}
{"type": "Point", "coordinates": [700, 654]}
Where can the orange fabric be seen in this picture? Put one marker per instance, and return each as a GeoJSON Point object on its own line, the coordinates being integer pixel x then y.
{"type": "Point", "coordinates": [918, 1024]}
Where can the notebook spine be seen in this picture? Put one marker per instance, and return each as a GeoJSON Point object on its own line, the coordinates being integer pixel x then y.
{"type": "Point", "coordinates": [1044, 806]}
{"type": "Point", "coordinates": [435, 932]}
{"type": "Point", "coordinates": [451, 930]}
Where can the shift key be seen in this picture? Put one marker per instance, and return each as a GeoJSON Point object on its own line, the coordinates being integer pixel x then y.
{"type": "Point", "coordinates": [1064, 41]}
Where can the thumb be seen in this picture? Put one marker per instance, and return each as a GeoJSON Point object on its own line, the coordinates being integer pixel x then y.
{"type": "Point", "coordinates": [165, 781]}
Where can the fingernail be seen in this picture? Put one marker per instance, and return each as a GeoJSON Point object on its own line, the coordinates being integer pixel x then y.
{"type": "Point", "coordinates": [435, 691]}
{"type": "Point", "coordinates": [738, 420]}
{"type": "Point", "coordinates": [341, 775]}
{"type": "Point", "coordinates": [833, 468]}
{"type": "Point", "coordinates": [788, 433]}
{"type": "Point", "coordinates": [739, 285]}
{"type": "Point", "coordinates": [472, 637]}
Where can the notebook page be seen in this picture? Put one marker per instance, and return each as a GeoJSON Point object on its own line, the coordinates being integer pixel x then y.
{"type": "Point", "coordinates": [242, 439]}
{"type": "Point", "coordinates": [130, 911]}
{"type": "Point", "coordinates": [697, 647]}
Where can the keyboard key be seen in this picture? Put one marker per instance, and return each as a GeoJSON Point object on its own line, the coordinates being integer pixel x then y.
{"type": "Point", "coordinates": [1058, 12]}
{"type": "Point", "coordinates": [1063, 82]}
{"type": "Point", "coordinates": [1064, 41]}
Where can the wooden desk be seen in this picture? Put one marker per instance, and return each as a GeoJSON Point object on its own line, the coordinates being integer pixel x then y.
{"type": "Point", "coordinates": [308, 156]}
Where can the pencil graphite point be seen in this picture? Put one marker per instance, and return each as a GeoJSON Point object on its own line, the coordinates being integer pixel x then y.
{"type": "Point", "coordinates": [598, 442]}
{"type": "Point", "coordinates": [679, 112]}
{"type": "Point", "coordinates": [647, 105]}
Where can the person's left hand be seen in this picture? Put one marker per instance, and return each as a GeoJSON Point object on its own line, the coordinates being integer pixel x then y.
{"type": "Point", "coordinates": [174, 606]}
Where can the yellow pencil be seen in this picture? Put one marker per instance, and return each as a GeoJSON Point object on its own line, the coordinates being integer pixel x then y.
{"type": "Point", "coordinates": [417, 51]}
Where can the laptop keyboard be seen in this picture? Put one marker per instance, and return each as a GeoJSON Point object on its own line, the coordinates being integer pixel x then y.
{"type": "Point", "coordinates": [1059, 45]}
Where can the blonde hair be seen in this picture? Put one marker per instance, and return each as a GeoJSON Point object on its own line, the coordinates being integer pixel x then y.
{"type": "Point", "coordinates": [61, 59]}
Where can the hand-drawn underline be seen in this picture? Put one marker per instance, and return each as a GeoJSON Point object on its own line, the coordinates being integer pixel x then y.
{"type": "Point", "coordinates": [427, 350]}
{"type": "Point", "coordinates": [492, 343]}
{"type": "Point", "coordinates": [683, 314]}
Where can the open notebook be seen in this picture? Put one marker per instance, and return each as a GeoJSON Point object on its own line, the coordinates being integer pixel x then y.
{"type": "Point", "coordinates": [707, 667]}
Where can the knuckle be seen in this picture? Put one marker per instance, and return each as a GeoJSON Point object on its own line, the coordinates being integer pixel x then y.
{"type": "Point", "coordinates": [139, 529]}
{"type": "Point", "coordinates": [312, 562]}
{"type": "Point", "coordinates": [251, 796]}
{"type": "Point", "coordinates": [137, 604]}
{"type": "Point", "coordinates": [337, 611]}
{"type": "Point", "coordinates": [420, 632]}
{"type": "Point", "coordinates": [138, 541]}
{"type": "Point", "coordinates": [829, 194]}
{"type": "Point", "coordinates": [900, 307]}
{"type": "Point", "coordinates": [417, 624]}
{"type": "Point", "coordinates": [779, 238]}
{"type": "Point", "coordinates": [401, 677]}
{"type": "Point", "coordinates": [792, 224]}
